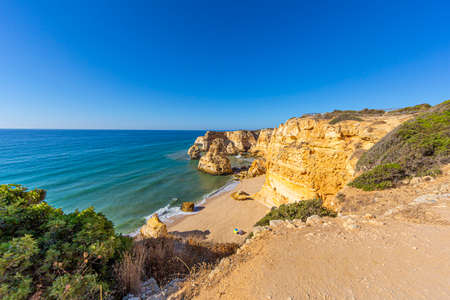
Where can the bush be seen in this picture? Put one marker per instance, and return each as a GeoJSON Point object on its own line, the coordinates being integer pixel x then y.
{"type": "Point", "coordinates": [56, 255]}
{"type": "Point", "coordinates": [379, 178]}
{"type": "Point", "coordinates": [412, 109]}
{"type": "Point", "coordinates": [420, 146]}
{"type": "Point", "coordinates": [298, 210]}
{"type": "Point", "coordinates": [345, 117]}
{"type": "Point", "coordinates": [355, 113]}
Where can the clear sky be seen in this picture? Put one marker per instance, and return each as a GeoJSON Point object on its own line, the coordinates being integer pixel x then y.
{"type": "Point", "coordinates": [215, 64]}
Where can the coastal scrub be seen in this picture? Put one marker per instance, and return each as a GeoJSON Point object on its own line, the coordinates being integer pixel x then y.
{"type": "Point", "coordinates": [298, 210]}
{"type": "Point", "coordinates": [418, 147]}
{"type": "Point", "coordinates": [53, 255]}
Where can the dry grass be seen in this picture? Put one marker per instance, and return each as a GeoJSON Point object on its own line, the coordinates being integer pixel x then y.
{"type": "Point", "coordinates": [166, 259]}
{"type": "Point", "coordinates": [130, 271]}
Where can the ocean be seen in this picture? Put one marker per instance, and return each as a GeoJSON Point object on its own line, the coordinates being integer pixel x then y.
{"type": "Point", "coordinates": [125, 174]}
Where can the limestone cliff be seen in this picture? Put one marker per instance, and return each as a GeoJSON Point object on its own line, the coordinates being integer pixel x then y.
{"type": "Point", "coordinates": [309, 157]}
{"type": "Point", "coordinates": [262, 143]}
{"type": "Point", "coordinates": [232, 142]}
{"type": "Point", "coordinates": [215, 162]}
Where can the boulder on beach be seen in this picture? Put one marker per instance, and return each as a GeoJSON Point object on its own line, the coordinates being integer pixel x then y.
{"type": "Point", "coordinates": [241, 196]}
{"type": "Point", "coordinates": [187, 206]}
{"type": "Point", "coordinates": [154, 228]}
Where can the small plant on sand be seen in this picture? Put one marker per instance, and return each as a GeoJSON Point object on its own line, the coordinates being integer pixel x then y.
{"type": "Point", "coordinates": [298, 210]}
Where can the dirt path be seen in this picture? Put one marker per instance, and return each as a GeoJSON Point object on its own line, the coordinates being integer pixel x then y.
{"type": "Point", "coordinates": [400, 255]}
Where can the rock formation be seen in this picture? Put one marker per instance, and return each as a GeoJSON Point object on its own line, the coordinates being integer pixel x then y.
{"type": "Point", "coordinates": [262, 143]}
{"type": "Point", "coordinates": [215, 162]}
{"type": "Point", "coordinates": [194, 152]}
{"type": "Point", "coordinates": [241, 196]}
{"type": "Point", "coordinates": [309, 158]}
{"type": "Point", "coordinates": [242, 140]}
{"type": "Point", "coordinates": [232, 142]}
{"type": "Point", "coordinates": [154, 228]}
{"type": "Point", "coordinates": [258, 167]}
{"type": "Point", "coordinates": [187, 206]}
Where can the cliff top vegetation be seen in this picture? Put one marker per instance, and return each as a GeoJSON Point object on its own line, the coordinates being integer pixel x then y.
{"type": "Point", "coordinates": [418, 147]}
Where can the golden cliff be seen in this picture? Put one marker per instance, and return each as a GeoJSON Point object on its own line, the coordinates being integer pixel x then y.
{"type": "Point", "coordinates": [309, 157]}
{"type": "Point", "coordinates": [262, 143]}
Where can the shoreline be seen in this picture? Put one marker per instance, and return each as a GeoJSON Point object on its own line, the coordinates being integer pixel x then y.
{"type": "Point", "coordinates": [219, 214]}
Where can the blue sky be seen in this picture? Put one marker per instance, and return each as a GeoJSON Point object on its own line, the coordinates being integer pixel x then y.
{"type": "Point", "coordinates": [215, 64]}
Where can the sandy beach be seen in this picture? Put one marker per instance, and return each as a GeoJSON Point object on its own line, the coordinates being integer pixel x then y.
{"type": "Point", "coordinates": [221, 214]}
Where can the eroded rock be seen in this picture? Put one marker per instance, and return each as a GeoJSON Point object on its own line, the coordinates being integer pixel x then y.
{"type": "Point", "coordinates": [154, 228]}
{"type": "Point", "coordinates": [241, 196]}
{"type": "Point", "coordinates": [187, 206]}
{"type": "Point", "coordinates": [215, 164]}
{"type": "Point", "coordinates": [194, 152]}
{"type": "Point", "coordinates": [257, 168]}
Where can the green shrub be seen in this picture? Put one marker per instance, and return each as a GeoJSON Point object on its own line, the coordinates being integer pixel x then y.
{"type": "Point", "coordinates": [298, 210]}
{"type": "Point", "coordinates": [345, 117]}
{"type": "Point", "coordinates": [420, 146]}
{"type": "Point", "coordinates": [379, 178]}
{"type": "Point", "coordinates": [40, 246]}
{"type": "Point", "coordinates": [356, 113]}
{"type": "Point", "coordinates": [412, 109]}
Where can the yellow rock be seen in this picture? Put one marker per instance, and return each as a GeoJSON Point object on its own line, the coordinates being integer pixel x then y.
{"type": "Point", "coordinates": [154, 228]}
{"type": "Point", "coordinates": [258, 167]}
{"type": "Point", "coordinates": [187, 206]}
{"type": "Point", "coordinates": [241, 196]}
{"type": "Point", "coordinates": [308, 157]}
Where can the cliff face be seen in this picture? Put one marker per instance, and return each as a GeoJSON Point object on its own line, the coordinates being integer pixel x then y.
{"type": "Point", "coordinates": [262, 143]}
{"type": "Point", "coordinates": [231, 142]}
{"type": "Point", "coordinates": [309, 158]}
{"type": "Point", "coordinates": [215, 162]}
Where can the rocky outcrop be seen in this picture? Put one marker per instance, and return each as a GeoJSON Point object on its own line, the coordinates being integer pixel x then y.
{"type": "Point", "coordinates": [257, 168]}
{"type": "Point", "coordinates": [187, 206]}
{"type": "Point", "coordinates": [262, 143]}
{"type": "Point", "coordinates": [242, 140]}
{"type": "Point", "coordinates": [232, 142]}
{"type": "Point", "coordinates": [215, 162]}
{"type": "Point", "coordinates": [241, 196]}
{"type": "Point", "coordinates": [194, 152]}
{"type": "Point", "coordinates": [154, 228]}
{"type": "Point", "coordinates": [309, 158]}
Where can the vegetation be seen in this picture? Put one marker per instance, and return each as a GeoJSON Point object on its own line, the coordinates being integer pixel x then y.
{"type": "Point", "coordinates": [52, 255]}
{"type": "Point", "coordinates": [418, 147]}
{"type": "Point", "coordinates": [167, 258]}
{"type": "Point", "coordinates": [298, 210]}
{"type": "Point", "coordinates": [353, 113]}
{"type": "Point", "coordinates": [379, 178]}
{"type": "Point", "coordinates": [345, 117]}
{"type": "Point", "coordinates": [412, 109]}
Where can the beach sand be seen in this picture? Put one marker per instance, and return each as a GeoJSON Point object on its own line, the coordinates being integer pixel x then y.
{"type": "Point", "coordinates": [221, 214]}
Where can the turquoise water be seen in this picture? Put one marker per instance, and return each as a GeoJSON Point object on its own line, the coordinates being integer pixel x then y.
{"type": "Point", "coordinates": [127, 175]}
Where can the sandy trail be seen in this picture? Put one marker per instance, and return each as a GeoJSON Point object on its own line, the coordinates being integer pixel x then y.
{"type": "Point", "coordinates": [394, 261]}
{"type": "Point", "coordinates": [405, 255]}
{"type": "Point", "coordinates": [221, 214]}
